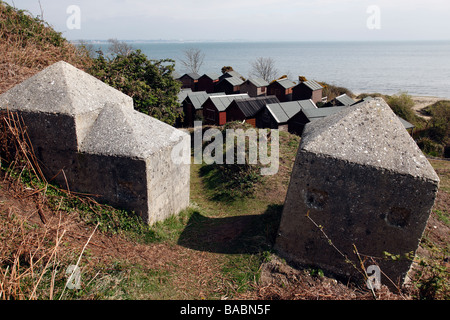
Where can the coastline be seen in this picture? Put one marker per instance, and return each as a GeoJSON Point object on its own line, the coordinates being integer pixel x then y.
{"type": "Point", "coordinates": [421, 102]}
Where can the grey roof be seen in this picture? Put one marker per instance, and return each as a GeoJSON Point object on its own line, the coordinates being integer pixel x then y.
{"type": "Point", "coordinates": [313, 85]}
{"type": "Point", "coordinates": [345, 100]}
{"type": "Point", "coordinates": [250, 107]}
{"type": "Point", "coordinates": [198, 98]}
{"type": "Point", "coordinates": [405, 123]}
{"type": "Point", "coordinates": [234, 81]}
{"type": "Point", "coordinates": [183, 94]}
{"type": "Point", "coordinates": [223, 102]}
{"type": "Point", "coordinates": [368, 98]}
{"type": "Point", "coordinates": [285, 83]}
{"type": "Point", "coordinates": [230, 74]}
{"type": "Point", "coordinates": [319, 113]}
{"type": "Point", "coordinates": [284, 111]}
{"type": "Point", "coordinates": [192, 75]}
{"type": "Point", "coordinates": [258, 82]}
{"type": "Point", "coordinates": [212, 76]}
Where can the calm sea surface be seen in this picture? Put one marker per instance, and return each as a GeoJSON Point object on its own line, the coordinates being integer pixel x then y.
{"type": "Point", "coordinates": [418, 68]}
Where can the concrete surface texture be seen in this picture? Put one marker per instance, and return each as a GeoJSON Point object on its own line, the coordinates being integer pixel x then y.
{"type": "Point", "coordinates": [359, 181]}
{"type": "Point", "coordinates": [90, 131]}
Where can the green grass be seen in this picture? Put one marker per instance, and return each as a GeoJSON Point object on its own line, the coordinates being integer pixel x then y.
{"type": "Point", "coordinates": [442, 168]}
{"type": "Point", "coordinates": [242, 271]}
{"type": "Point", "coordinates": [239, 234]}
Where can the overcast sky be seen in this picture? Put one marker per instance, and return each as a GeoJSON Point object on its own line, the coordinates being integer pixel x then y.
{"type": "Point", "coordinates": [284, 20]}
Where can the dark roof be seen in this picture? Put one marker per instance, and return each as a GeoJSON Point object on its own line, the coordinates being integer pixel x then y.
{"type": "Point", "coordinates": [250, 107]}
{"type": "Point", "coordinates": [284, 111]}
{"type": "Point", "coordinates": [223, 102]}
{"type": "Point", "coordinates": [212, 76]}
{"type": "Point", "coordinates": [258, 82]}
{"type": "Point", "coordinates": [285, 83]}
{"type": "Point", "coordinates": [345, 100]}
{"type": "Point", "coordinates": [313, 85]}
{"type": "Point", "coordinates": [191, 75]}
{"type": "Point", "coordinates": [198, 98]}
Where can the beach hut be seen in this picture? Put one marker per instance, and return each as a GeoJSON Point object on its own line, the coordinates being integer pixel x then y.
{"type": "Point", "coordinates": [207, 82]}
{"type": "Point", "coordinates": [255, 87]}
{"type": "Point", "coordinates": [189, 81]}
{"type": "Point", "coordinates": [229, 85]}
{"type": "Point", "coordinates": [305, 116]}
{"type": "Point", "coordinates": [230, 74]}
{"type": "Point", "coordinates": [341, 101]}
{"type": "Point", "coordinates": [279, 115]}
{"type": "Point", "coordinates": [282, 89]}
{"type": "Point", "coordinates": [249, 110]}
{"type": "Point", "coordinates": [308, 90]}
{"type": "Point", "coordinates": [192, 106]}
{"type": "Point", "coordinates": [215, 108]}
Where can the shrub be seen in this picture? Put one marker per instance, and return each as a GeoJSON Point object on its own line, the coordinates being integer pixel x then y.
{"type": "Point", "coordinates": [430, 147]}
{"type": "Point", "coordinates": [29, 44]}
{"type": "Point", "coordinates": [331, 91]}
{"type": "Point", "coordinates": [231, 181]}
{"type": "Point", "coordinates": [402, 105]}
{"type": "Point", "coordinates": [434, 138]}
{"type": "Point", "coordinates": [149, 82]}
{"type": "Point", "coordinates": [440, 121]}
{"type": "Point", "coordinates": [226, 69]}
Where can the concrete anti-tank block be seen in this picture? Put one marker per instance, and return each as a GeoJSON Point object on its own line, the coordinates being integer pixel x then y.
{"type": "Point", "coordinates": [365, 183]}
{"type": "Point", "coordinates": [148, 144]}
{"type": "Point", "coordinates": [90, 130]}
{"type": "Point", "coordinates": [60, 104]}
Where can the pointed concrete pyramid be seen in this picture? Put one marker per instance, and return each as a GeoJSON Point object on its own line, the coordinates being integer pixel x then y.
{"type": "Point", "coordinates": [61, 88]}
{"type": "Point", "coordinates": [65, 91]}
{"type": "Point", "coordinates": [369, 134]}
{"type": "Point", "coordinates": [91, 133]}
{"type": "Point", "coordinates": [119, 132]}
{"type": "Point", "coordinates": [360, 176]}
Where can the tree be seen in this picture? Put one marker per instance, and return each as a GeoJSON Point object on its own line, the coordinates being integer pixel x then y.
{"type": "Point", "coordinates": [86, 49]}
{"type": "Point", "coordinates": [226, 69]}
{"type": "Point", "coordinates": [264, 68]}
{"type": "Point", "coordinates": [149, 82]}
{"type": "Point", "coordinates": [193, 59]}
{"type": "Point", "coordinates": [119, 48]}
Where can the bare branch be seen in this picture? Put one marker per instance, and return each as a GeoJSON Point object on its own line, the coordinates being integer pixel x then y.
{"type": "Point", "coordinates": [264, 68]}
{"type": "Point", "coordinates": [119, 48]}
{"type": "Point", "coordinates": [193, 59]}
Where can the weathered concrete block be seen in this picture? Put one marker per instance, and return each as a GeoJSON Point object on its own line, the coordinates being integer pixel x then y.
{"type": "Point", "coordinates": [60, 104]}
{"type": "Point", "coordinates": [78, 124]}
{"type": "Point", "coordinates": [364, 181]}
{"type": "Point", "coordinates": [148, 144]}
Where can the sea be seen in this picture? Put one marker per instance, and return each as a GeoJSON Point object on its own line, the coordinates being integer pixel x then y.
{"type": "Point", "coordinates": [419, 68]}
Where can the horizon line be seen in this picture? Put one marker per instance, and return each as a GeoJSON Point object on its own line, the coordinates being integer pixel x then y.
{"type": "Point", "coordinates": [255, 41]}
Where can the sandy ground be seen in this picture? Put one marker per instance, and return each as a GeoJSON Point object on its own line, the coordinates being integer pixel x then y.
{"type": "Point", "coordinates": [422, 102]}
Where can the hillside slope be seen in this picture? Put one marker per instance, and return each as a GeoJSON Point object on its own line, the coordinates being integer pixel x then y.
{"type": "Point", "coordinates": [213, 250]}
{"type": "Point", "coordinates": [28, 45]}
